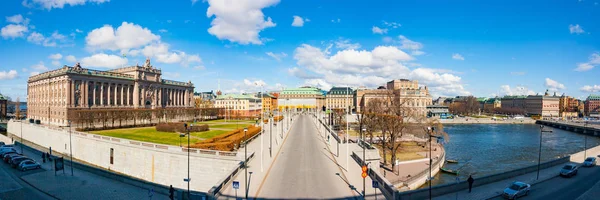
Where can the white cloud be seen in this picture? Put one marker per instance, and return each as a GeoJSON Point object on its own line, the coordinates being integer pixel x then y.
{"type": "Point", "coordinates": [553, 85]}
{"type": "Point", "coordinates": [13, 31]}
{"type": "Point", "coordinates": [126, 36]}
{"type": "Point", "coordinates": [392, 24]}
{"type": "Point", "coordinates": [338, 20]}
{"type": "Point", "coordinates": [194, 2]}
{"type": "Point", "coordinates": [277, 56]}
{"type": "Point", "coordinates": [57, 56]}
{"type": "Point", "coordinates": [17, 19]}
{"type": "Point", "coordinates": [409, 44]}
{"type": "Point", "coordinates": [298, 21]}
{"type": "Point", "coordinates": [33, 73]}
{"type": "Point", "coordinates": [594, 60]}
{"type": "Point", "coordinates": [55, 63]}
{"type": "Point", "coordinates": [71, 59]}
{"type": "Point", "coordinates": [8, 75]}
{"type": "Point", "coordinates": [377, 30]}
{"type": "Point", "coordinates": [200, 67]}
{"type": "Point", "coordinates": [346, 44]}
{"type": "Point", "coordinates": [163, 30]}
{"type": "Point", "coordinates": [55, 39]}
{"type": "Point", "coordinates": [457, 56]}
{"type": "Point", "coordinates": [104, 61]}
{"type": "Point", "coordinates": [590, 88]}
{"type": "Point", "coordinates": [39, 67]}
{"type": "Point", "coordinates": [78, 31]}
{"type": "Point", "coordinates": [575, 29]}
{"type": "Point", "coordinates": [417, 53]}
{"type": "Point", "coordinates": [518, 90]}
{"type": "Point", "coordinates": [256, 83]}
{"type": "Point", "coordinates": [368, 68]}
{"type": "Point", "coordinates": [50, 4]}
{"type": "Point", "coordinates": [239, 21]}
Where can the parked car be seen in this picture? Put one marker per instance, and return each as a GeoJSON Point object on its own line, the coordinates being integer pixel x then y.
{"type": "Point", "coordinates": [17, 160]}
{"type": "Point", "coordinates": [516, 189]}
{"type": "Point", "coordinates": [6, 150]}
{"type": "Point", "coordinates": [3, 157]}
{"type": "Point", "coordinates": [8, 146]}
{"type": "Point", "coordinates": [2, 144]}
{"type": "Point", "coordinates": [589, 162]}
{"type": "Point", "coordinates": [569, 170]}
{"type": "Point", "coordinates": [9, 156]}
{"type": "Point", "coordinates": [29, 164]}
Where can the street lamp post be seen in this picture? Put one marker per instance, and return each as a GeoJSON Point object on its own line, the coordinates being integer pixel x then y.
{"type": "Point", "coordinates": [271, 137]}
{"type": "Point", "coordinates": [71, 147]}
{"type": "Point", "coordinates": [585, 141]}
{"type": "Point", "coordinates": [430, 130]}
{"type": "Point", "coordinates": [364, 161]}
{"type": "Point", "coordinates": [540, 151]}
{"type": "Point", "coordinates": [246, 160]}
{"type": "Point", "coordinates": [188, 150]}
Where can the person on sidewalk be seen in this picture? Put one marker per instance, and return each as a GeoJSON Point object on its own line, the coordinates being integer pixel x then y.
{"type": "Point", "coordinates": [470, 180]}
{"type": "Point", "coordinates": [171, 192]}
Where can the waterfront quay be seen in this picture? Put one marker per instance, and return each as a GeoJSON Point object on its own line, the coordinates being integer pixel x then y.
{"type": "Point", "coordinates": [578, 127]}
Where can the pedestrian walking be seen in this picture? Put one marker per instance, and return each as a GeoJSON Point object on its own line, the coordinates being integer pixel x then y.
{"type": "Point", "coordinates": [470, 180]}
{"type": "Point", "coordinates": [171, 192]}
{"type": "Point", "coordinates": [44, 157]}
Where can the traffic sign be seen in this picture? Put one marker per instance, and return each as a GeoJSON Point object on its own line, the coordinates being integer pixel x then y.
{"type": "Point", "coordinates": [375, 184]}
{"type": "Point", "coordinates": [236, 185]}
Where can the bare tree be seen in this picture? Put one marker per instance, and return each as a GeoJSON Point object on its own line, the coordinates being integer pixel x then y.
{"type": "Point", "coordinates": [18, 109]}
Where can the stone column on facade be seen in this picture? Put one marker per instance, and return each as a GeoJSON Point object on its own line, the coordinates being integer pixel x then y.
{"type": "Point", "coordinates": [159, 97]}
{"type": "Point", "coordinates": [94, 93]}
{"type": "Point", "coordinates": [128, 96]}
{"type": "Point", "coordinates": [71, 92]}
{"type": "Point", "coordinates": [115, 95]}
{"type": "Point", "coordinates": [136, 95]}
{"type": "Point", "coordinates": [102, 94]}
{"type": "Point", "coordinates": [121, 100]}
{"type": "Point", "coordinates": [142, 97]}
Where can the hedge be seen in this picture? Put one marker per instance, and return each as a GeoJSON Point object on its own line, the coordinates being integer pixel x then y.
{"type": "Point", "coordinates": [180, 128]}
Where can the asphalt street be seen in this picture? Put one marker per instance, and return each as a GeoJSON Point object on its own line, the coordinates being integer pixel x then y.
{"type": "Point", "coordinates": [305, 168]}
{"type": "Point", "coordinates": [565, 188]}
{"type": "Point", "coordinates": [12, 187]}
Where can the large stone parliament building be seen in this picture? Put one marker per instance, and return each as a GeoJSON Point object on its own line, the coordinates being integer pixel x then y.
{"type": "Point", "coordinates": [52, 94]}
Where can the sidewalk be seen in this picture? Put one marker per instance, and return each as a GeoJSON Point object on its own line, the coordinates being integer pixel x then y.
{"type": "Point", "coordinates": [83, 185]}
{"type": "Point", "coordinates": [256, 169]}
{"type": "Point", "coordinates": [494, 189]}
{"type": "Point", "coordinates": [352, 170]}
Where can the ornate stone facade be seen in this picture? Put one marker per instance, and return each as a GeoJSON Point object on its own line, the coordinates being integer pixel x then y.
{"type": "Point", "coordinates": [52, 94]}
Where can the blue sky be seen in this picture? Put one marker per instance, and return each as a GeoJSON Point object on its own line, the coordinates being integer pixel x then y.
{"type": "Point", "coordinates": [454, 48]}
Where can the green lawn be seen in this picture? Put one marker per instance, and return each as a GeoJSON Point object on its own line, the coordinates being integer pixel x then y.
{"type": "Point", "coordinates": [209, 134]}
{"type": "Point", "coordinates": [146, 134]}
{"type": "Point", "coordinates": [223, 121]}
{"type": "Point", "coordinates": [229, 126]}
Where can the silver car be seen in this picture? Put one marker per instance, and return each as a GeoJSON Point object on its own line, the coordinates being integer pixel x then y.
{"type": "Point", "coordinates": [569, 170]}
{"type": "Point", "coordinates": [589, 162]}
{"type": "Point", "coordinates": [516, 189]}
{"type": "Point", "coordinates": [28, 165]}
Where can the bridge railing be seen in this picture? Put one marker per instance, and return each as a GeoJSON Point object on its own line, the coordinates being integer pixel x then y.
{"type": "Point", "coordinates": [215, 191]}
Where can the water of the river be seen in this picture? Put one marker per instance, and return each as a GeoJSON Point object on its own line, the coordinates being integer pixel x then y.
{"type": "Point", "coordinates": [485, 149]}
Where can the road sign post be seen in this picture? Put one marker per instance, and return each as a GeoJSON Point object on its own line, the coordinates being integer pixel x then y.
{"type": "Point", "coordinates": [236, 186]}
{"type": "Point", "coordinates": [375, 186]}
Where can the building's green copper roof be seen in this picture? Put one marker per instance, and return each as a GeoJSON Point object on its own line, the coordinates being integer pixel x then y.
{"type": "Point", "coordinates": [237, 96]}
{"type": "Point", "coordinates": [340, 91]}
{"type": "Point", "coordinates": [2, 97]}
{"type": "Point", "coordinates": [306, 90]}
{"type": "Point", "coordinates": [593, 97]}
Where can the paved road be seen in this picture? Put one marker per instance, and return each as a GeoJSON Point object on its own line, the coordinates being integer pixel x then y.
{"type": "Point", "coordinates": [304, 168]}
{"type": "Point", "coordinates": [565, 188]}
{"type": "Point", "coordinates": [12, 187]}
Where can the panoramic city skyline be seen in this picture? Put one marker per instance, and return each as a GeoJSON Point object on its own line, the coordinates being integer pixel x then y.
{"type": "Point", "coordinates": [452, 49]}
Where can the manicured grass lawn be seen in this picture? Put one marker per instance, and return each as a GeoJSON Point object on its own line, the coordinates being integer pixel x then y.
{"type": "Point", "coordinates": [408, 151]}
{"type": "Point", "coordinates": [209, 134]}
{"type": "Point", "coordinates": [223, 121]}
{"type": "Point", "coordinates": [145, 134]}
{"type": "Point", "coordinates": [229, 126]}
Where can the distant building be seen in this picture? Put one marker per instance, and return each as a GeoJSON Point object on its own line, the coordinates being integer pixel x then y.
{"type": "Point", "coordinates": [301, 98]}
{"type": "Point", "coordinates": [340, 97]}
{"type": "Point", "coordinates": [592, 106]}
{"type": "Point", "coordinates": [205, 99]}
{"type": "Point", "coordinates": [491, 104]}
{"type": "Point", "coordinates": [240, 105]}
{"type": "Point", "coordinates": [269, 102]}
{"type": "Point", "coordinates": [413, 96]}
{"type": "Point", "coordinates": [513, 104]}
{"type": "Point", "coordinates": [568, 106]}
{"type": "Point", "coordinates": [543, 105]}
{"type": "Point", "coordinates": [440, 111]}
{"type": "Point", "coordinates": [3, 106]}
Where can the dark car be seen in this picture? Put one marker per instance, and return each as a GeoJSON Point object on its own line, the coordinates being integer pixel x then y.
{"type": "Point", "coordinates": [9, 156]}
{"type": "Point", "coordinates": [569, 170]}
{"type": "Point", "coordinates": [17, 160]}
